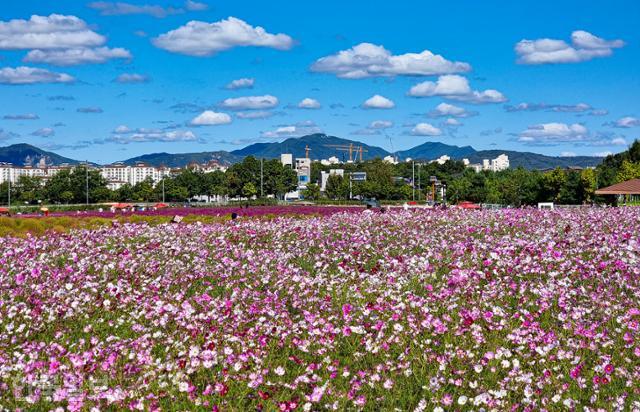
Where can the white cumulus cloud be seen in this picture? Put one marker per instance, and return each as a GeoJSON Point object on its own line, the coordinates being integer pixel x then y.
{"type": "Point", "coordinates": [456, 87]}
{"type": "Point", "coordinates": [380, 124]}
{"type": "Point", "coordinates": [554, 132]}
{"type": "Point", "coordinates": [584, 46]}
{"type": "Point", "coordinates": [122, 129]}
{"type": "Point", "coordinates": [243, 83]}
{"type": "Point", "coordinates": [153, 135]}
{"type": "Point", "coordinates": [452, 122]}
{"type": "Point", "coordinates": [626, 122]}
{"type": "Point", "coordinates": [32, 75]}
{"type": "Point", "coordinates": [450, 110]}
{"type": "Point", "coordinates": [210, 118]}
{"type": "Point", "coordinates": [294, 130]}
{"type": "Point", "coordinates": [71, 57]}
{"type": "Point", "coordinates": [197, 38]}
{"type": "Point", "coordinates": [378, 102]}
{"type": "Point", "coordinates": [44, 132]}
{"type": "Point", "coordinates": [55, 31]}
{"type": "Point", "coordinates": [374, 128]}
{"type": "Point", "coordinates": [309, 103]}
{"type": "Point", "coordinates": [370, 60]}
{"type": "Point", "coordinates": [250, 102]}
{"type": "Point", "coordinates": [425, 129]}
{"type": "Point", "coordinates": [195, 6]}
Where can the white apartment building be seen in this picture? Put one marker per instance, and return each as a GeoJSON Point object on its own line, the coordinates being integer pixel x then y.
{"type": "Point", "coordinates": [390, 159]}
{"type": "Point", "coordinates": [442, 159]}
{"type": "Point", "coordinates": [119, 174]}
{"type": "Point", "coordinates": [286, 159]}
{"type": "Point", "coordinates": [9, 172]}
{"type": "Point", "coordinates": [303, 168]}
{"type": "Point", "coordinates": [495, 165]}
{"type": "Point", "coordinates": [500, 163]}
{"type": "Point", "coordinates": [330, 161]}
{"type": "Point", "coordinates": [209, 167]}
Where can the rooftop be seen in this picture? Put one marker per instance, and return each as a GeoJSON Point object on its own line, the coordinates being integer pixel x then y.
{"type": "Point", "coordinates": [629, 187]}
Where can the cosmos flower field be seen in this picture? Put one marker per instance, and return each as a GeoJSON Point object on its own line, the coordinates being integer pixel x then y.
{"type": "Point", "coordinates": [403, 310]}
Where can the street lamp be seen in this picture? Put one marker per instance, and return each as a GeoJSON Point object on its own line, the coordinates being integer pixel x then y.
{"type": "Point", "coordinates": [419, 185]}
{"type": "Point", "coordinates": [87, 180]}
{"type": "Point", "coordinates": [261, 177]}
{"type": "Point", "coordinates": [413, 180]}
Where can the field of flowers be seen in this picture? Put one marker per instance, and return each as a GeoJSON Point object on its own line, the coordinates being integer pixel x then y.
{"type": "Point", "coordinates": [404, 310]}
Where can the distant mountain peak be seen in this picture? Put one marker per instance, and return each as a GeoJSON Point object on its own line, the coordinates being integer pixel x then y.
{"type": "Point", "coordinates": [321, 145]}
{"type": "Point", "coordinates": [21, 154]}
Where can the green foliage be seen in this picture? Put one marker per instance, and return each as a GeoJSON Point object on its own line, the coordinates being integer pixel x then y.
{"type": "Point", "coordinates": [628, 170]}
{"type": "Point", "coordinates": [337, 187]}
{"type": "Point", "coordinates": [385, 181]}
{"type": "Point", "coordinates": [312, 192]}
{"type": "Point", "coordinates": [74, 181]}
{"type": "Point", "coordinates": [249, 190]}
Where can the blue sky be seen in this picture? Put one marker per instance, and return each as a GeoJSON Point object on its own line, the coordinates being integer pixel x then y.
{"type": "Point", "coordinates": [106, 81]}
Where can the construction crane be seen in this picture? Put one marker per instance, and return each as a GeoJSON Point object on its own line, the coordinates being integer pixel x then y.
{"type": "Point", "coordinates": [395, 157]}
{"type": "Point", "coordinates": [351, 148]}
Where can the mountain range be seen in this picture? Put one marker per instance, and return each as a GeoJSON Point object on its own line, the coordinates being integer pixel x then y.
{"type": "Point", "coordinates": [320, 146]}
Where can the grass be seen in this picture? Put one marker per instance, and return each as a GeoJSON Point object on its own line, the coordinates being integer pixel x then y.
{"type": "Point", "coordinates": [39, 226]}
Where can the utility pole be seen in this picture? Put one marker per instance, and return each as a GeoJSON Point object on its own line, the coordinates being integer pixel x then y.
{"type": "Point", "coordinates": [413, 178]}
{"type": "Point", "coordinates": [262, 175]}
{"type": "Point", "coordinates": [87, 180]}
{"type": "Point", "coordinates": [9, 196]}
{"type": "Point", "coordinates": [419, 186]}
{"type": "Point", "coordinates": [350, 187]}
{"type": "Point", "coordinates": [163, 189]}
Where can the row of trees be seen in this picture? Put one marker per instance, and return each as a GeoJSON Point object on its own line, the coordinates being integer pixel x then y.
{"type": "Point", "coordinates": [246, 179]}
{"type": "Point", "coordinates": [251, 177]}
{"type": "Point", "coordinates": [513, 186]}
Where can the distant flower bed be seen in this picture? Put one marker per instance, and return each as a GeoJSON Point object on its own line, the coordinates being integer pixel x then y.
{"type": "Point", "coordinates": [415, 310]}
{"type": "Point", "coordinates": [209, 211]}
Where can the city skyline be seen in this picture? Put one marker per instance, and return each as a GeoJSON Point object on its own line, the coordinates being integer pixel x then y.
{"type": "Point", "coordinates": [109, 80]}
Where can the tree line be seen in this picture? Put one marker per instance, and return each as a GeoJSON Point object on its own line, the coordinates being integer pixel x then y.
{"type": "Point", "coordinates": [245, 179]}
{"type": "Point", "coordinates": [385, 181]}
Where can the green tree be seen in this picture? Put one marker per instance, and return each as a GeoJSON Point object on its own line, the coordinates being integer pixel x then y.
{"type": "Point", "coordinates": [249, 190]}
{"type": "Point", "coordinates": [239, 174]}
{"type": "Point", "coordinates": [75, 181]}
{"type": "Point", "coordinates": [588, 178]}
{"type": "Point", "coordinates": [337, 187]}
{"type": "Point", "coordinates": [278, 179]}
{"type": "Point", "coordinates": [628, 170]}
{"type": "Point", "coordinates": [66, 196]}
{"type": "Point", "coordinates": [312, 192]}
{"type": "Point", "coordinates": [459, 189]}
{"type": "Point", "coordinates": [143, 191]}
{"type": "Point", "coordinates": [4, 193]}
{"type": "Point", "coordinates": [215, 183]}
{"type": "Point", "coordinates": [173, 192]}
{"type": "Point", "coordinates": [553, 181]}
{"type": "Point", "coordinates": [125, 193]}
{"type": "Point", "coordinates": [192, 180]}
{"type": "Point", "coordinates": [29, 189]}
